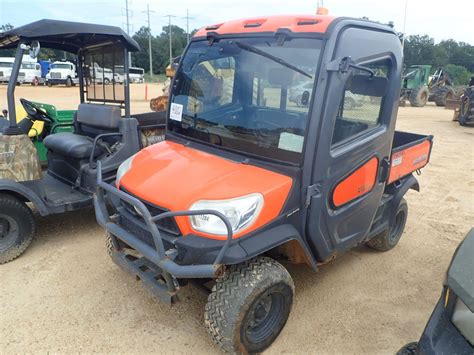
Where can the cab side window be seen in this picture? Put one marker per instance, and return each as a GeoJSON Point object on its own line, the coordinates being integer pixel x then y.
{"type": "Point", "coordinates": [357, 112]}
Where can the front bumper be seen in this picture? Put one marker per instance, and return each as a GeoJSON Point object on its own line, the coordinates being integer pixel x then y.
{"type": "Point", "coordinates": [56, 81]}
{"type": "Point", "coordinates": [157, 262]}
{"type": "Point", "coordinates": [440, 335]}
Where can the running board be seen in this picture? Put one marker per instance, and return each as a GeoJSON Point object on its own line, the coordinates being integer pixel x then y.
{"type": "Point", "coordinates": [147, 272]}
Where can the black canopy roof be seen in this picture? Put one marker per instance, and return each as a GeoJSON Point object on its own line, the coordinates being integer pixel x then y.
{"type": "Point", "coordinates": [68, 36]}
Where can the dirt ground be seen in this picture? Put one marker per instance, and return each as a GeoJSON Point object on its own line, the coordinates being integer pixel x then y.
{"type": "Point", "coordinates": [65, 294]}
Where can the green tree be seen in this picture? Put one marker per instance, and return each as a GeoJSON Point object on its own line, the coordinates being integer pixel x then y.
{"type": "Point", "coordinates": [458, 74]}
{"type": "Point", "coordinates": [159, 48]}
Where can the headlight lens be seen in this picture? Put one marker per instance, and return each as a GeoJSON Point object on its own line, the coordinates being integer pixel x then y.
{"type": "Point", "coordinates": [123, 168]}
{"type": "Point", "coordinates": [241, 213]}
{"type": "Point", "coordinates": [463, 319]}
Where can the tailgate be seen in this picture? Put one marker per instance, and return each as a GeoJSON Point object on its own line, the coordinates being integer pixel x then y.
{"type": "Point", "coordinates": [410, 152]}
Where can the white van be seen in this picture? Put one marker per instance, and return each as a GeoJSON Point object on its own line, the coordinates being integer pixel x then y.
{"type": "Point", "coordinates": [103, 75]}
{"type": "Point", "coordinates": [30, 71]}
{"type": "Point", "coordinates": [6, 65]}
{"type": "Point", "coordinates": [136, 75]}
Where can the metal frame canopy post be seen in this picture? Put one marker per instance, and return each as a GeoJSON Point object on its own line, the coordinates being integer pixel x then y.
{"type": "Point", "coordinates": [13, 129]}
{"type": "Point", "coordinates": [126, 82]}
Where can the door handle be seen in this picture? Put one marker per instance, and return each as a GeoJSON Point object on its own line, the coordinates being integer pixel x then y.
{"type": "Point", "coordinates": [384, 169]}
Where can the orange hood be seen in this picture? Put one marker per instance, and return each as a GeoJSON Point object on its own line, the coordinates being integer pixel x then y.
{"type": "Point", "coordinates": [174, 176]}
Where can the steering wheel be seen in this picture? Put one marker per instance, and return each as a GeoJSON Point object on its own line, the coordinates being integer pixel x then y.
{"type": "Point", "coordinates": [35, 112]}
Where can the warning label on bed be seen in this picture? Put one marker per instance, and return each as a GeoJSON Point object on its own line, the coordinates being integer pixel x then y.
{"type": "Point", "coordinates": [397, 161]}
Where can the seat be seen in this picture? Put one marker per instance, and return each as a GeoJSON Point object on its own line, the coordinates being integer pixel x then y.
{"type": "Point", "coordinates": [72, 145]}
{"type": "Point", "coordinates": [69, 153]}
{"type": "Point", "coordinates": [91, 120]}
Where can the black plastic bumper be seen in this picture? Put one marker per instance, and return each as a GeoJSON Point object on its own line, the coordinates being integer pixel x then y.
{"type": "Point", "coordinates": [157, 266]}
{"type": "Point", "coordinates": [440, 335]}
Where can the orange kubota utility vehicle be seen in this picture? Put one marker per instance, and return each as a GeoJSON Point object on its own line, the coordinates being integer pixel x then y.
{"type": "Point", "coordinates": [246, 176]}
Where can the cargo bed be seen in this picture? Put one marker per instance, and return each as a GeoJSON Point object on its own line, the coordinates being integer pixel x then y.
{"type": "Point", "coordinates": [410, 152]}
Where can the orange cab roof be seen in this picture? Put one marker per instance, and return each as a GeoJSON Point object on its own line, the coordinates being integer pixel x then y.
{"type": "Point", "coordinates": [294, 23]}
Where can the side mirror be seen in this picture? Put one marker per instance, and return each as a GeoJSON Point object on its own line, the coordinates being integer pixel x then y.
{"type": "Point", "coordinates": [34, 49]}
{"type": "Point", "coordinates": [368, 85]}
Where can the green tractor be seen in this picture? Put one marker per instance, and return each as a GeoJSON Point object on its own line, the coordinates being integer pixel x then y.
{"type": "Point", "coordinates": [415, 85]}
{"type": "Point", "coordinates": [419, 87]}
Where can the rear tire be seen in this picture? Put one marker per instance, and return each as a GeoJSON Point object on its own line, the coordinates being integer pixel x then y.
{"type": "Point", "coordinates": [442, 95]}
{"type": "Point", "coordinates": [249, 306]}
{"type": "Point", "coordinates": [49, 84]}
{"type": "Point", "coordinates": [106, 81]}
{"type": "Point", "coordinates": [389, 238]}
{"type": "Point", "coordinates": [409, 349]}
{"type": "Point", "coordinates": [419, 96]}
{"type": "Point", "coordinates": [17, 227]}
{"type": "Point", "coordinates": [466, 111]}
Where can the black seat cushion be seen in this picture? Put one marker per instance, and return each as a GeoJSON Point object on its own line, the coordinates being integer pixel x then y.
{"type": "Point", "coordinates": [71, 145]}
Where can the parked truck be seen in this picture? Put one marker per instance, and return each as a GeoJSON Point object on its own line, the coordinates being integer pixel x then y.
{"type": "Point", "coordinates": [246, 178]}
{"type": "Point", "coordinates": [62, 73]}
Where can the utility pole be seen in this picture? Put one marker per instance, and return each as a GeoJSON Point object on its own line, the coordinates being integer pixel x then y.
{"type": "Point", "coordinates": [404, 24]}
{"type": "Point", "coordinates": [149, 39]}
{"type": "Point", "coordinates": [187, 23]}
{"type": "Point", "coordinates": [170, 36]}
{"type": "Point", "coordinates": [127, 14]}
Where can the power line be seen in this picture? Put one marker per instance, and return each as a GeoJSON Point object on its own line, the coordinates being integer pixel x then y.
{"type": "Point", "coordinates": [127, 15]}
{"type": "Point", "coordinates": [187, 23]}
{"type": "Point", "coordinates": [149, 38]}
{"type": "Point", "coordinates": [170, 35]}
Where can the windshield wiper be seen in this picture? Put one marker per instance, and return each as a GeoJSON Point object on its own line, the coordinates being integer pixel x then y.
{"type": "Point", "coordinates": [255, 50]}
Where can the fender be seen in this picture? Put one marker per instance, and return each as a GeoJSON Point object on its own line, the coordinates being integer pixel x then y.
{"type": "Point", "coordinates": [195, 249]}
{"type": "Point", "coordinates": [271, 238]}
{"type": "Point", "coordinates": [398, 190]}
{"type": "Point", "coordinates": [18, 189]}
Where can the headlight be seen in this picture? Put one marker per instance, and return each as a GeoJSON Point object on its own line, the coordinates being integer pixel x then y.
{"type": "Point", "coordinates": [123, 168]}
{"type": "Point", "coordinates": [463, 319]}
{"type": "Point", "coordinates": [241, 213]}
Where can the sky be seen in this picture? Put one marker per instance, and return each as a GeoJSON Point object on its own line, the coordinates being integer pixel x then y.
{"type": "Point", "coordinates": [438, 19]}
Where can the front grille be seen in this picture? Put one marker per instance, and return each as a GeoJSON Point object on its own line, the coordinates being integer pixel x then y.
{"type": "Point", "coordinates": [55, 75]}
{"type": "Point", "coordinates": [167, 224]}
{"type": "Point", "coordinates": [20, 74]}
{"type": "Point", "coordinates": [142, 234]}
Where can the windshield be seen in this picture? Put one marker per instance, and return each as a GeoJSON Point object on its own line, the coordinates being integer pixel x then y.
{"type": "Point", "coordinates": [138, 71]}
{"type": "Point", "coordinates": [28, 66]}
{"type": "Point", "coordinates": [251, 95]}
{"type": "Point", "coordinates": [6, 65]}
{"type": "Point", "coordinates": [60, 66]}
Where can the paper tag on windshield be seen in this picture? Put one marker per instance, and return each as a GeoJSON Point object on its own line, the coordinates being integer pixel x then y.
{"type": "Point", "coordinates": [291, 142]}
{"type": "Point", "coordinates": [176, 112]}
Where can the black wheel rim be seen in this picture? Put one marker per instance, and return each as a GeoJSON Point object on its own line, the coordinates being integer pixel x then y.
{"type": "Point", "coordinates": [398, 227]}
{"type": "Point", "coordinates": [264, 317]}
{"type": "Point", "coordinates": [9, 231]}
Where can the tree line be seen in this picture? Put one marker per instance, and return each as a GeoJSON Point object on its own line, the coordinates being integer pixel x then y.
{"type": "Point", "coordinates": [457, 58]}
